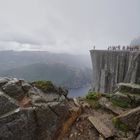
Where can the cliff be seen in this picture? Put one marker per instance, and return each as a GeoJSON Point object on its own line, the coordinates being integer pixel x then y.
{"type": "Point", "coordinates": [112, 67]}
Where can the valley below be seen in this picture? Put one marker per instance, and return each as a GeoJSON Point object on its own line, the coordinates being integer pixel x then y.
{"type": "Point", "coordinates": [79, 92]}
{"type": "Point", "coordinates": [69, 71]}
{"type": "Point", "coordinates": [56, 101]}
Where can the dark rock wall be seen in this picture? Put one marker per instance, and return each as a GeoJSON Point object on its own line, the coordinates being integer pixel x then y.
{"type": "Point", "coordinates": [112, 67]}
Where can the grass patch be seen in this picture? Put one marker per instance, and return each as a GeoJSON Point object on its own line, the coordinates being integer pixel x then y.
{"type": "Point", "coordinates": [119, 103]}
{"type": "Point", "coordinates": [93, 103]}
{"type": "Point", "coordinates": [92, 99]}
{"type": "Point", "coordinates": [119, 125]}
{"type": "Point", "coordinates": [45, 86]}
{"type": "Point", "coordinates": [93, 96]}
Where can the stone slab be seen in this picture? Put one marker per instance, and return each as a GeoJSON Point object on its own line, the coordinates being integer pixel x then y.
{"type": "Point", "coordinates": [101, 127]}
{"type": "Point", "coordinates": [129, 87]}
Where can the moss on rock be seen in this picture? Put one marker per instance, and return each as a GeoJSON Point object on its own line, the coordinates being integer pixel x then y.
{"type": "Point", "coordinates": [45, 86]}
{"type": "Point", "coordinates": [93, 95]}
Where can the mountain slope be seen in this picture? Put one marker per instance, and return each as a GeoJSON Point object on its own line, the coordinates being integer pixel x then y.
{"type": "Point", "coordinates": [14, 59]}
{"type": "Point", "coordinates": [59, 73]}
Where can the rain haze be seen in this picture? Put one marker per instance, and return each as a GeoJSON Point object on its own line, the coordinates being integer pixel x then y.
{"type": "Point", "coordinates": [67, 26]}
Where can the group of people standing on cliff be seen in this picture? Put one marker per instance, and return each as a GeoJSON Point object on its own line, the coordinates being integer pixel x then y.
{"type": "Point", "coordinates": [127, 48]}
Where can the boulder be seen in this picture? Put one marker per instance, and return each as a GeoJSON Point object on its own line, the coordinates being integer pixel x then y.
{"type": "Point", "coordinates": [105, 103]}
{"type": "Point", "coordinates": [102, 128]}
{"type": "Point", "coordinates": [101, 137]}
{"type": "Point", "coordinates": [3, 81]}
{"type": "Point", "coordinates": [26, 87]}
{"type": "Point", "coordinates": [19, 125]}
{"type": "Point", "coordinates": [62, 91]}
{"type": "Point", "coordinates": [129, 87]}
{"type": "Point", "coordinates": [6, 104]}
{"type": "Point", "coordinates": [62, 98]}
{"type": "Point", "coordinates": [131, 100]}
{"type": "Point", "coordinates": [50, 119]}
{"type": "Point", "coordinates": [27, 113]}
{"type": "Point", "coordinates": [118, 96]}
{"type": "Point", "coordinates": [127, 94]}
{"type": "Point", "coordinates": [37, 99]}
{"type": "Point", "coordinates": [138, 129]}
{"type": "Point", "coordinates": [138, 138]}
{"type": "Point", "coordinates": [33, 91]}
{"type": "Point", "coordinates": [52, 97]}
{"type": "Point", "coordinates": [14, 90]}
{"type": "Point", "coordinates": [130, 118]}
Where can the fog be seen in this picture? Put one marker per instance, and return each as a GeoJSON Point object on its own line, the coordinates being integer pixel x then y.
{"type": "Point", "coordinates": [67, 26]}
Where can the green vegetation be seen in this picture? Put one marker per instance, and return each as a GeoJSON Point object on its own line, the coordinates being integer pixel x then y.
{"type": "Point", "coordinates": [119, 125]}
{"type": "Point", "coordinates": [92, 98]}
{"type": "Point", "coordinates": [96, 95]}
{"type": "Point", "coordinates": [123, 104]}
{"type": "Point", "coordinates": [93, 103]}
{"type": "Point", "coordinates": [126, 104]}
{"type": "Point", "coordinates": [45, 86]}
{"type": "Point", "coordinates": [93, 95]}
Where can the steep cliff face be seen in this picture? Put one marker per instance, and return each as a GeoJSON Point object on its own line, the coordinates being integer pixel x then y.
{"type": "Point", "coordinates": [112, 67]}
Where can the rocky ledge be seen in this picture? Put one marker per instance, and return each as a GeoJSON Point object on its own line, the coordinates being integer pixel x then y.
{"type": "Point", "coordinates": [31, 113]}
{"type": "Point", "coordinates": [27, 113]}
{"type": "Point", "coordinates": [127, 94]}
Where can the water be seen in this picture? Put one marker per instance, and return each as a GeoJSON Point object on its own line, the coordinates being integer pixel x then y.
{"type": "Point", "coordinates": [78, 92]}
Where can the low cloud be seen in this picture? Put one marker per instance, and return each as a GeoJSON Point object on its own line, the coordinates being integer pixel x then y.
{"type": "Point", "coordinates": [67, 26]}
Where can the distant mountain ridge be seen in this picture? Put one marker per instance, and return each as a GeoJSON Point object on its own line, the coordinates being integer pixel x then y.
{"type": "Point", "coordinates": [60, 74]}
{"type": "Point", "coordinates": [66, 70]}
{"type": "Point", "coordinates": [14, 59]}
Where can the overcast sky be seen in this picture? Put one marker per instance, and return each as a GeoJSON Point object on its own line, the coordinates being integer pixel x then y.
{"type": "Point", "coordinates": [71, 26]}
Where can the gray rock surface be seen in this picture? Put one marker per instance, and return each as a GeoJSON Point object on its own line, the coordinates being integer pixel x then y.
{"type": "Point", "coordinates": [12, 88]}
{"type": "Point", "coordinates": [129, 87]}
{"type": "Point", "coordinates": [131, 118]}
{"type": "Point", "coordinates": [26, 113]}
{"type": "Point", "coordinates": [118, 96]}
{"type": "Point", "coordinates": [3, 80]}
{"type": "Point", "coordinates": [19, 125]}
{"type": "Point", "coordinates": [25, 86]}
{"type": "Point", "coordinates": [105, 103]}
{"type": "Point", "coordinates": [127, 93]}
{"type": "Point", "coordinates": [138, 138]}
{"type": "Point", "coordinates": [112, 67]}
{"type": "Point", "coordinates": [101, 127]}
{"type": "Point", "coordinates": [6, 105]}
{"type": "Point", "coordinates": [138, 129]}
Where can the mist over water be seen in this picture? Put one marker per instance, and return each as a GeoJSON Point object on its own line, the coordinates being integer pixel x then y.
{"type": "Point", "coordinates": [78, 92]}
